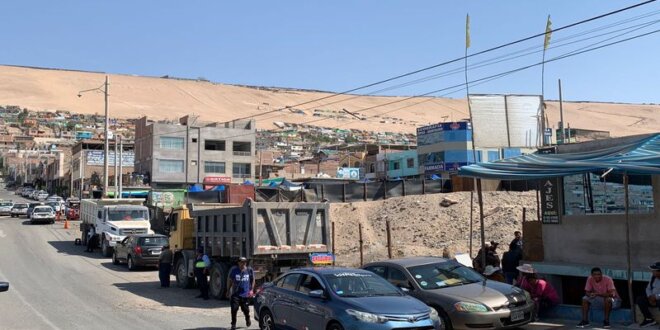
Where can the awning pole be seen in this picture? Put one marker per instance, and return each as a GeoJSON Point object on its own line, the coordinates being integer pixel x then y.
{"type": "Point", "coordinates": [481, 223]}
{"type": "Point", "coordinates": [627, 206]}
{"type": "Point", "coordinates": [471, 219]}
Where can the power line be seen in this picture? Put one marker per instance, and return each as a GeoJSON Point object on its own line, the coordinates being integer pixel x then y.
{"type": "Point", "coordinates": [454, 60]}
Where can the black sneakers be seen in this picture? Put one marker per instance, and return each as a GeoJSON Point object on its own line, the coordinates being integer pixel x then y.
{"type": "Point", "coordinates": [583, 324]}
{"type": "Point", "coordinates": [606, 324]}
{"type": "Point", "coordinates": [647, 323]}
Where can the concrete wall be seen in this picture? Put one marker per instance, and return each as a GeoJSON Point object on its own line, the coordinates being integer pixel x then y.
{"type": "Point", "coordinates": [600, 239]}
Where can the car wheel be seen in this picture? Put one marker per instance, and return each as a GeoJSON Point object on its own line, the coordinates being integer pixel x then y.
{"type": "Point", "coordinates": [335, 326]}
{"type": "Point", "coordinates": [131, 265]}
{"type": "Point", "coordinates": [266, 321]}
{"type": "Point", "coordinates": [115, 261]}
{"type": "Point", "coordinates": [446, 321]}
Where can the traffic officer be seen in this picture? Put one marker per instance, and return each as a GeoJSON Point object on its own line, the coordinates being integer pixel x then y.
{"type": "Point", "coordinates": [202, 264]}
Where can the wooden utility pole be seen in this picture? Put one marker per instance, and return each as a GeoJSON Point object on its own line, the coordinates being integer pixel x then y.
{"type": "Point", "coordinates": [561, 116]}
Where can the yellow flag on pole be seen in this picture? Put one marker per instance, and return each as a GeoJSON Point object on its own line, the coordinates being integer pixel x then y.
{"type": "Point", "coordinates": [467, 31]}
{"type": "Point", "coordinates": [548, 33]}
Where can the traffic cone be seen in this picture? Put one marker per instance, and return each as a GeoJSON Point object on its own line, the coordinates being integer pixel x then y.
{"type": "Point", "coordinates": [66, 224]}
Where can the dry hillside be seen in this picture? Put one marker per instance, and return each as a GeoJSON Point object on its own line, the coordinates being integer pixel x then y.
{"type": "Point", "coordinates": [420, 226]}
{"type": "Point", "coordinates": [160, 98]}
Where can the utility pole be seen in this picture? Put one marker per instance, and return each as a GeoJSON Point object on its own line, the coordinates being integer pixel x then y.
{"type": "Point", "coordinates": [561, 115]}
{"type": "Point", "coordinates": [121, 166]}
{"type": "Point", "coordinates": [187, 148]}
{"type": "Point", "coordinates": [82, 173]}
{"type": "Point", "coordinates": [107, 123]}
{"type": "Point", "coordinates": [71, 177]}
{"type": "Point", "coordinates": [116, 166]}
{"type": "Point", "coordinates": [199, 153]}
{"type": "Point", "coordinates": [260, 168]}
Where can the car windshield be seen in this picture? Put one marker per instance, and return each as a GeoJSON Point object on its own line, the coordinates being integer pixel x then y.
{"type": "Point", "coordinates": [359, 284]}
{"type": "Point", "coordinates": [153, 241]}
{"type": "Point", "coordinates": [122, 215]}
{"type": "Point", "coordinates": [42, 210]}
{"type": "Point", "coordinates": [53, 203]}
{"type": "Point", "coordinates": [20, 206]}
{"type": "Point", "coordinates": [5, 204]}
{"type": "Point", "coordinates": [443, 274]}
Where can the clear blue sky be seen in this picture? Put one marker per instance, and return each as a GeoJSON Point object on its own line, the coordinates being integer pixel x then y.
{"type": "Point", "coordinates": [332, 45]}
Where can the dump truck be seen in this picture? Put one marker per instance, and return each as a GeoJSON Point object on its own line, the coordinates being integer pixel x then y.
{"type": "Point", "coordinates": [275, 237]}
{"type": "Point", "coordinates": [113, 220]}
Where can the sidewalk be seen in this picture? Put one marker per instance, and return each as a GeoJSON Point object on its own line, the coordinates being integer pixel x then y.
{"type": "Point", "coordinates": [571, 324]}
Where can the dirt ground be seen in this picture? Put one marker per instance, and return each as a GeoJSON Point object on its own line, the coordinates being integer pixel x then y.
{"type": "Point", "coordinates": [420, 226]}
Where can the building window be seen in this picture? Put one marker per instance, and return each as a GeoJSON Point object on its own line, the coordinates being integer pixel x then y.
{"type": "Point", "coordinates": [242, 148]}
{"type": "Point", "coordinates": [170, 166]}
{"type": "Point", "coordinates": [175, 143]}
{"type": "Point", "coordinates": [214, 167]}
{"type": "Point", "coordinates": [241, 170]}
{"type": "Point", "coordinates": [411, 162]}
{"type": "Point", "coordinates": [590, 194]}
{"type": "Point", "coordinates": [395, 165]}
{"type": "Point", "coordinates": [372, 168]}
{"type": "Point", "coordinates": [217, 145]}
{"type": "Point", "coordinates": [194, 140]}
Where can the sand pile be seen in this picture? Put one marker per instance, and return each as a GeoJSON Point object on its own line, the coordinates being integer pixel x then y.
{"type": "Point", "coordinates": [422, 225]}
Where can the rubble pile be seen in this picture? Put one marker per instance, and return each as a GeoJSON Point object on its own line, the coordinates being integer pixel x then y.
{"type": "Point", "coordinates": [426, 224]}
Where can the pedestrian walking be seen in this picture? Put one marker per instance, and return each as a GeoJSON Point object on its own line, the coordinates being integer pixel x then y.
{"type": "Point", "coordinates": [651, 297]}
{"type": "Point", "coordinates": [165, 266]}
{"type": "Point", "coordinates": [202, 264]}
{"type": "Point", "coordinates": [240, 290]}
{"type": "Point", "coordinates": [92, 239]}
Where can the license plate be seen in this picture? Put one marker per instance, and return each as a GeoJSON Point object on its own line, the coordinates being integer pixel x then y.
{"type": "Point", "coordinates": [517, 316]}
{"type": "Point", "coordinates": [155, 252]}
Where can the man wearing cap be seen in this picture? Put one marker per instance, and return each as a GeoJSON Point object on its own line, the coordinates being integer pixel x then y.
{"type": "Point", "coordinates": [652, 297]}
{"type": "Point", "coordinates": [601, 294]}
{"type": "Point", "coordinates": [165, 266]}
{"type": "Point", "coordinates": [494, 274]}
{"type": "Point", "coordinates": [202, 264]}
{"type": "Point", "coordinates": [241, 285]}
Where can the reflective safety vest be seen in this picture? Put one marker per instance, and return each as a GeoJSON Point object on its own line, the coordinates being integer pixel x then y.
{"type": "Point", "coordinates": [200, 264]}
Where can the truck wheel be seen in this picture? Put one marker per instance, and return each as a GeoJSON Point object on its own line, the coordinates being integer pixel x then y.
{"type": "Point", "coordinates": [83, 237]}
{"type": "Point", "coordinates": [182, 279]}
{"type": "Point", "coordinates": [218, 285]}
{"type": "Point", "coordinates": [106, 249]}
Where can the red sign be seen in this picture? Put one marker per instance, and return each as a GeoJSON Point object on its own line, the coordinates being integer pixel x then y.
{"type": "Point", "coordinates": [216, 180]}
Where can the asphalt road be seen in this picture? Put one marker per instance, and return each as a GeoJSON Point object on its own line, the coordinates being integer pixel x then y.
{"type": "Point", "coordinates": [54, 284]}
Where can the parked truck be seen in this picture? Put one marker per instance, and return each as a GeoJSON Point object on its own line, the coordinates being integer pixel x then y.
{"type": "Point", "coordinates": [113, 220]}
{"type": "Point", "coordinates": [275, 237]}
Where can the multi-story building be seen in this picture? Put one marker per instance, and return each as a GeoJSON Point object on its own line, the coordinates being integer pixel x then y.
{"type": "Point", "coordinates": [87, 161]}
{"type": "Point", "coordinates": [177, 155]}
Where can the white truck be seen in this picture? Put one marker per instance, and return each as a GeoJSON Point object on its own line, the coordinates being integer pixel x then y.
{"type": "Point", "coordinates": [113, 220]}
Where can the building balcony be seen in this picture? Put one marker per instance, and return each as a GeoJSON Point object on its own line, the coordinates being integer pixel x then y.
{"type": "Point", "coordinates": [241, 176]}
{"type": "Point", "coordinates": [242, 153]}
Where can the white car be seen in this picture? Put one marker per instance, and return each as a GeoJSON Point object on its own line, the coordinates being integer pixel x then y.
{"type": "Point", "coordinates": [43, 213]}
{"type": "Point", "coordinates": [42, 196]}
{"type": "Point", "coordinates": [5, 207]}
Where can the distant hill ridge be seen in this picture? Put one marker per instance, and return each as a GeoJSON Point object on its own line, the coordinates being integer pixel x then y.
{"type": "Point", "coordinates": [165, 97]}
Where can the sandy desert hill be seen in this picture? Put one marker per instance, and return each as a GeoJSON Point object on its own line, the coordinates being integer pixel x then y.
{"type": "Point", "coordinates": [167, 98]}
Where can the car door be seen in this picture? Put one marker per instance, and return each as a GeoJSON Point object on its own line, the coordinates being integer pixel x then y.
{"type": "Point", "coordinates": [122, 249]}
{"type": "Point", "coordinates": [310, 312]}
{"type": "Point", "coordinates": [283, 300]}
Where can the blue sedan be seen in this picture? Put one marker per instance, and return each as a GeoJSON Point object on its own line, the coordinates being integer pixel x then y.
{"type": "Point", "coordinates": [339, 299]}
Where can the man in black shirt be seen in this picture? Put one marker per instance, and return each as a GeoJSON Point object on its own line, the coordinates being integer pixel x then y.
{"type": "Point", "coordinates": [511, 260]}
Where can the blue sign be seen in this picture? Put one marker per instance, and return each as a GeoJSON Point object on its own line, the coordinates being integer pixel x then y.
{"type": "Point", "coordinates": [352, 173]}
{"type": "Point", "coordinates": [437, 132]}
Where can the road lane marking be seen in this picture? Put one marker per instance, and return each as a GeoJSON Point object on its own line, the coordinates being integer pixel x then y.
{"type": "Point", "coordinates": [2, 234]}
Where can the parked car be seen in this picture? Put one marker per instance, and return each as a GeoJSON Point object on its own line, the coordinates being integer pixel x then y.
{"type": "Point", "coordinates": [34, 194]}
{"type": "Point", "coordinates": [463, 298]}
{"type": "Point", "coordinates": [31, 207]}
{"type": "Point", "coordinates": [139, 250]}
{"type": "Point", "coordinates": [57, 206]}
{"type": "Point", "coordinates": [339, 298]}
{"type": "Point", "coordinates": [27, 192]}
{"type": "Point", "coordinates": [19, 209]}
{"type": "Point", "coordinates": [5, 207]}
{"type": "Point", "coordinates": [42, 196]}
{"type": "Point", "coordinates": [43, 214]}
{"type": "Point", "coordinates": [4, 286]}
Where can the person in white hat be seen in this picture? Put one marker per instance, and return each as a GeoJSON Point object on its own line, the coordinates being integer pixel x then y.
{"type": "Point", "coordinates": [494, 274]}
{"type": "Point", "coordinates": [651, 297]}
{"type": "Point", "coordinates": [543, 294]}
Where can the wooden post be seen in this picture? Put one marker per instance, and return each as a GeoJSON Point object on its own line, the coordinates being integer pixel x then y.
{"type": "Point", "coordinates": [361, 244]}
{"type": "Point", "coordinates": [471, 212]}
{"type": "Point", "coordinates": [424, 186]}
{"type": "Point", "coordinates": [389, 238]}
{"type": "Point", "coordinates": [343, 193]}
{"type": "Point", "coordinates": [628, 257]}
{"type": "Point", "coordinates": [364, 192]}
{"type": "Point", "coordinates": [333, 238]}
{"type": "Point", "coordinates": [524, 215]}
{"type": "Point", "coordinates": [538, 202]}
{"type": "Point", "coordinates": [481, 222]}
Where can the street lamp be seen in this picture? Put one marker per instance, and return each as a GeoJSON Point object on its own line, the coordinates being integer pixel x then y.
{"type": "Point", "coordinates": [103, 89]}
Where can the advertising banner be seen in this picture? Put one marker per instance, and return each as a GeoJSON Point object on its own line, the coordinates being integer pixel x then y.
{"type": "Point", "coordinates": [96, 158]}
{"type": "Point", "coordinates": [352, 173]}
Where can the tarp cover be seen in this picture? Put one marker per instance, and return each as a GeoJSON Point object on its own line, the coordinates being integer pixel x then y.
{"type": "Point", "coordinates": [638, 157]}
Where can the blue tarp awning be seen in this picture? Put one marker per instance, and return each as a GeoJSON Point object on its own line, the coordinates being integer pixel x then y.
{"type": "Point", "coordinates": [195, 188]}
{"type": "Point", "coordinates": [638, 157]}
{"type": "Point", "coordinates": [218, 188]}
